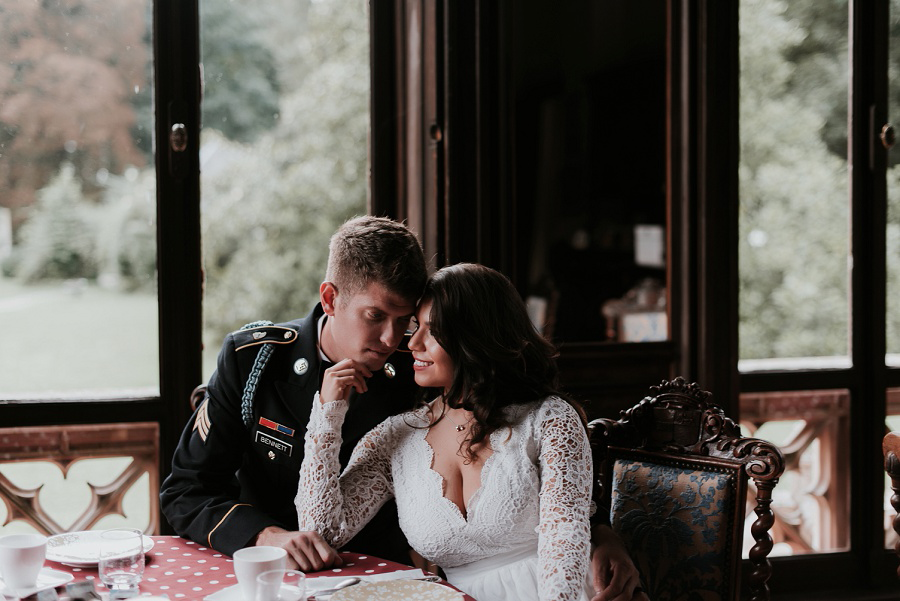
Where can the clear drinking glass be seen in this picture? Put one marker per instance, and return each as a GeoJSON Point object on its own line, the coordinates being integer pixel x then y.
{"type": "Point", "coordinates": [281, 585]}
{"type": "Point", "coordinates": [121, 564]}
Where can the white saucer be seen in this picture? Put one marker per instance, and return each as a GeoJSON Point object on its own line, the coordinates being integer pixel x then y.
{"type": "Point", "coordinates": [47, 578]}
{"type": "Point", "coordinates": [232, 593]}
{"type": "Point", "coordinates": [319, 583]}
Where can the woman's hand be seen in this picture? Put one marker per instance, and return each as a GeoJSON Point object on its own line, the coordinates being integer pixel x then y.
{"type": "Point", "coordinates": [341, 377]}
{"type": "Point", "coordinates": [614, 574]}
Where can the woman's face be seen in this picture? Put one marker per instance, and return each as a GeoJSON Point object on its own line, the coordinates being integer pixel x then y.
{"type": "Point", "coordinates": [433, 366]}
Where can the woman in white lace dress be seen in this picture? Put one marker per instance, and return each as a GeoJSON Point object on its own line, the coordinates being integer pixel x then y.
{"type": "Point", "coordinates": [492, 477]}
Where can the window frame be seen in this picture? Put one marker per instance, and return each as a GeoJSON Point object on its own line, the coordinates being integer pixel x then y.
{"type": "Point", "coordinates": [866, 564]}
{"type": "Point", "coordinates": [702, 141]}
{"type": "Point", "coordinates": [176, 99]}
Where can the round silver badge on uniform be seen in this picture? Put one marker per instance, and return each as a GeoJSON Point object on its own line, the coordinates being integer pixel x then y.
{"type": "Point", "coordinates": [271, 454]}
{"type": "Point", "coordinates": [389, 370]}
{"type": "Point", "coordinates": [301, 366]}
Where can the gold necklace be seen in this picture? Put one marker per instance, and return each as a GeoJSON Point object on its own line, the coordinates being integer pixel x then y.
{"type": "Point", "coordinates": [459, 427]}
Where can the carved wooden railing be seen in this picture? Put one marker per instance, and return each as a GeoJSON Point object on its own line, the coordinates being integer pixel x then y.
{"type": "Point", "coordinates": [63, 446]}
{"type": "Point", "coordinates": [815, 521]}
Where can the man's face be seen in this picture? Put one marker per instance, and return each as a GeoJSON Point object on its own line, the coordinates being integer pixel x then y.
{"type": "Point", "coordinates": [367, 326]}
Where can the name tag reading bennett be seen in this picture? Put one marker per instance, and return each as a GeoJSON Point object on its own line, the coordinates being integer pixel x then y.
{"type": "Point", "coordinates": [273, 442]}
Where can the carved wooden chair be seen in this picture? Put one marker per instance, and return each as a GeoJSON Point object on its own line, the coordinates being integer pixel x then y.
{"type": "Point", "coordinates": [672, 472]}
{"type": "Point", "coordinates": [890, 446]}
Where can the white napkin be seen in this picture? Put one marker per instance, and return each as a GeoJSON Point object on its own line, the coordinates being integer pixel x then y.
{"type": "Point", "coordinates": [325, 582]}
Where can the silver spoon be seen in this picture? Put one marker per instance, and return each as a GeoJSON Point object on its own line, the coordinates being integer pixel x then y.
{"type": "Point", "coordinates": [321, 595]}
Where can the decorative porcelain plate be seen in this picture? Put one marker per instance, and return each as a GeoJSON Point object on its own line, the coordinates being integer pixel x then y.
{"type": "Point", "coordinates": [80, 549]}
{"type": "Point", "coordinates": [397, 590]}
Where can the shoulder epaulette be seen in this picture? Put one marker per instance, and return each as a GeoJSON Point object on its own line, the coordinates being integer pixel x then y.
{"type": "Point", "coordinates": [257, 333]}
{"type": "Point", "coordinates": [264, 334]}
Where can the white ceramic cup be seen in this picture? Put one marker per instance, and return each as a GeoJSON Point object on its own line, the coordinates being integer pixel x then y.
{"type": "Point", "coordinates": [250, 562]}
{"type": "Point", "coordinates": [21, 559]}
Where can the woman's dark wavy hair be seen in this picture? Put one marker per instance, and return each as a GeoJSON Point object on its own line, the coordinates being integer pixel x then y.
{"type": "Point", "coordinates": [499, 358]}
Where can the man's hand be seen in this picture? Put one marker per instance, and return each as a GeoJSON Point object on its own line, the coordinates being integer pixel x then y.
{"type": "Point", "coordinates": [614, 574]}
{"type": "Point", "coordinates": [306, 550]}
{"type": "Point", "coordinates": [341, 377]}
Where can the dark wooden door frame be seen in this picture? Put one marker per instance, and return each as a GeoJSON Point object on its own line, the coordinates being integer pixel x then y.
{"type": "Point", "coordinates": [463, 202]}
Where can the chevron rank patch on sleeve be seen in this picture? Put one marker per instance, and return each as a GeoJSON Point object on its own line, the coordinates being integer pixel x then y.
{"type": "Point", "coordinates": [202, 424]}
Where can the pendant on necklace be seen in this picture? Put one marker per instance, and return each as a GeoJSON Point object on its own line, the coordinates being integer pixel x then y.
{"type": "Point", "coordinates": [460, 428]}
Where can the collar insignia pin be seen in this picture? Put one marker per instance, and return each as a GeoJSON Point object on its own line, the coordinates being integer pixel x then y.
{"type": "Point", "coordinates": [287, 335]}
{"type": "Point", "coordinates": [301, 366]}
{"type": "Point", "coordinates": [258, 335]}
{"type": "Point", "coordinates": [389, 370]}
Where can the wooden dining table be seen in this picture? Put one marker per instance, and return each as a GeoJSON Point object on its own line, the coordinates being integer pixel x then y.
{"type": "Point", "coordinates": [181, 569]}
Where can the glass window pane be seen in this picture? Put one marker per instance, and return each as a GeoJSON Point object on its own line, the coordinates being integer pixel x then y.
{"type": "Point", "coordinates": [284, 153]}
{"type": "Point", "coordinates": [893, 188]}
{"type": "Point", "coordinates": [793, 183]}
{"type": "Point", "coordinates": [77, 201]}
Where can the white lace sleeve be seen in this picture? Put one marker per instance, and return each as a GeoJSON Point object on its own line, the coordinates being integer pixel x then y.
{"type": "Point", "coordinates": [566, 472]}
{"type": "Point", "coordinates": [339, 507]}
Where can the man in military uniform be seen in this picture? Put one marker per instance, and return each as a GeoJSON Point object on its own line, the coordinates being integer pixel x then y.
{"type": "Point", "coordinates": [235, 471]}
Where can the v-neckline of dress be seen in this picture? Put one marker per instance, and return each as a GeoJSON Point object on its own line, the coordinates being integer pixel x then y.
{"type": "Point", "coordinates": [440, 481]}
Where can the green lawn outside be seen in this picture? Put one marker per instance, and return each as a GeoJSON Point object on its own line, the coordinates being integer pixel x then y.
{"type": "Point", "coordinates": [75, 339]}
{"type": "Point", "coordinates": [72, 337]}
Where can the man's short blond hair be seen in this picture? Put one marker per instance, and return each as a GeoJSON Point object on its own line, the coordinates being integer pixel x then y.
{"type": "Point", "coordinates": [376, 249]}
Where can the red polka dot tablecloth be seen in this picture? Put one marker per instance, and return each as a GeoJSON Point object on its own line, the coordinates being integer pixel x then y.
{"type": "Point", "coordinates": [182, 569]}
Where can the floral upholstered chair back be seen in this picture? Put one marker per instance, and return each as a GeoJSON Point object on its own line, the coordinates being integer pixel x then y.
{"type": "Point", "coordinates": [672, 475]}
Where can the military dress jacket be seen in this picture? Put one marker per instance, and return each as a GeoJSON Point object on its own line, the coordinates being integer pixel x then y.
{"type": "Point", "coordinates": [237, 465]}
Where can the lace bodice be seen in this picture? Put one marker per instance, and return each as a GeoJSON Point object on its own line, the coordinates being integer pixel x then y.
{"type": "Point", "coordinates": [535, 490]}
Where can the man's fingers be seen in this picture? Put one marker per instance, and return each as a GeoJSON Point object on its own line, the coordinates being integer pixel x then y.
{"type": "Point", "coordinates": [311, 555]}
{"type": "Point", "coordinates": [346, 375]}
{"type": "Point", "coordinates": [314, 553]}
{"type": "Point", "coordinates": [352, 379]}
{"type": "Point", "coordinates": [327, 553]}
{"type": "Point", "coordinates": [350, 364]}
{"type": "Point", "coordinates": [299, 557]}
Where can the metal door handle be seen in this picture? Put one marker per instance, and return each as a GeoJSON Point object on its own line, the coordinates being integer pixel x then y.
{"type": "Point", "coordinates": [178, 137]}
{"type": "Point", "coordinates": [888, 136]}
